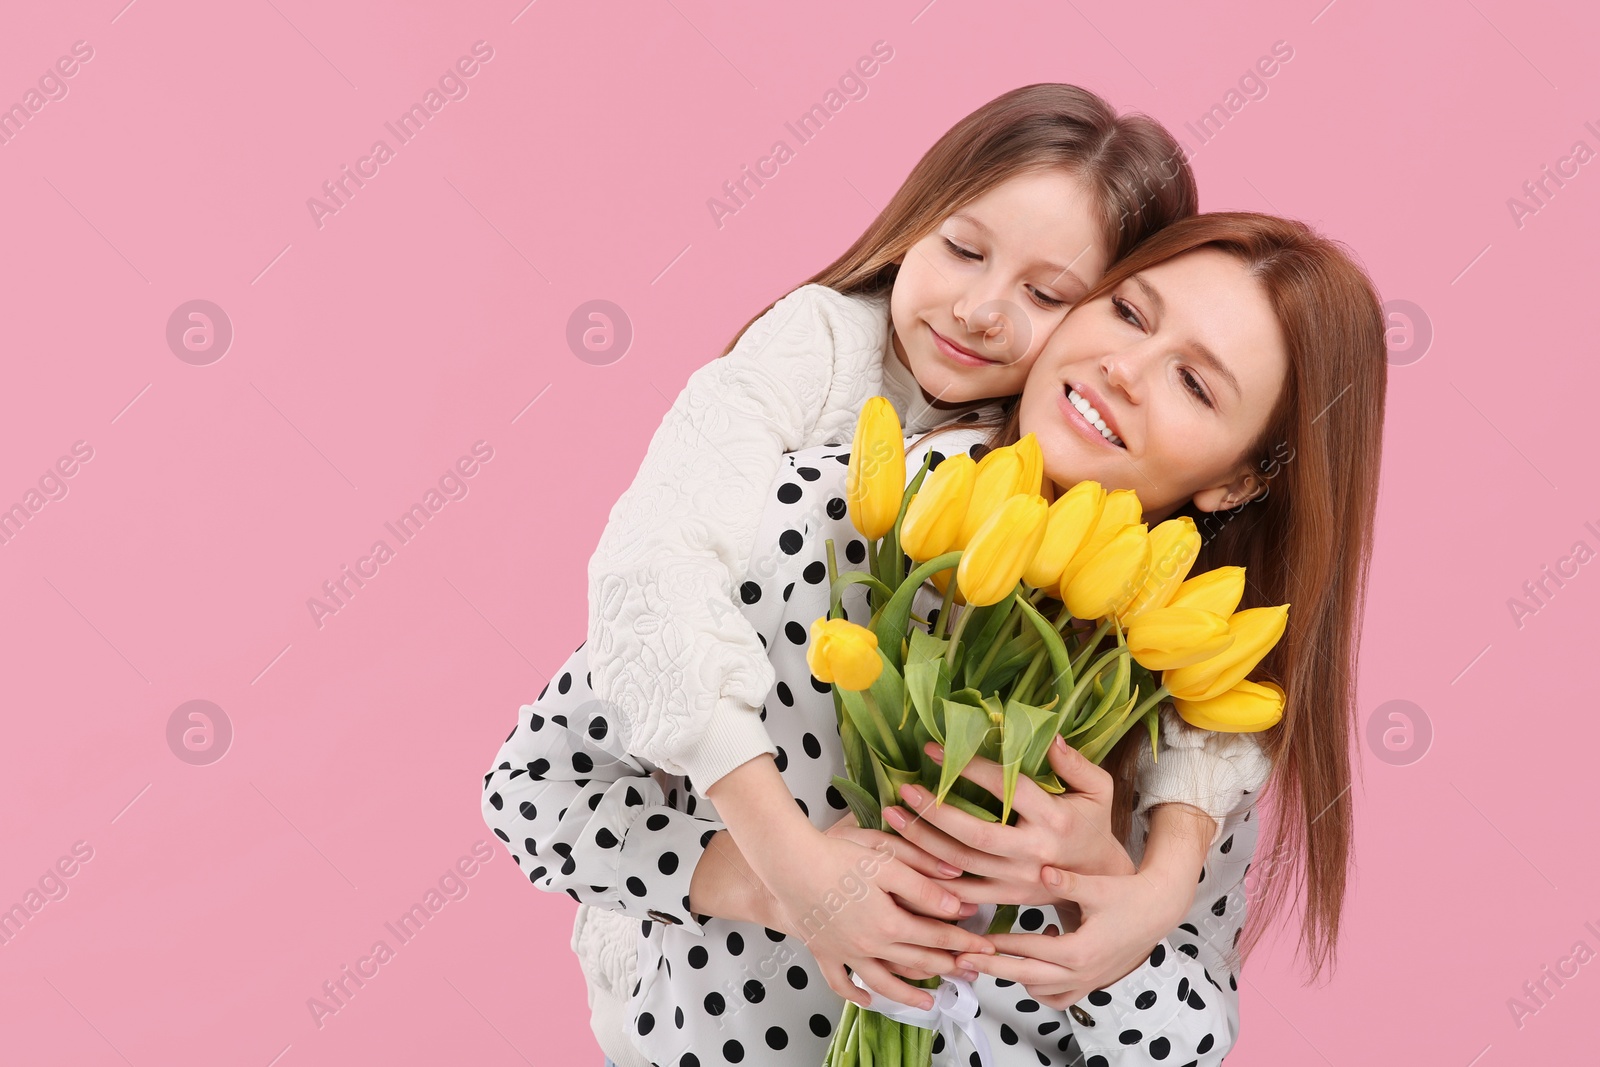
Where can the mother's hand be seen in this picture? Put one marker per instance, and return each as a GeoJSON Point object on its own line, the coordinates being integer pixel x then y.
{"type": "Point", "coordinates": [1071, 830]}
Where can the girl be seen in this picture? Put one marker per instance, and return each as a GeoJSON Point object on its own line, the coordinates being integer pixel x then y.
{"type": "Point", "coordinates": [944, 301]}
{"type": "Point", "coordinates": [1220, 339]}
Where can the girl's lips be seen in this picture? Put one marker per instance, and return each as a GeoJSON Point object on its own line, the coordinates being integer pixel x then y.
{"type": "Point", "coordinates": [1075, 418]}
{"type": "Point", "coordinates": [955, 352]}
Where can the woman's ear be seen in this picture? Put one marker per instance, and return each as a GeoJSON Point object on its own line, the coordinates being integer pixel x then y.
{"type": "Point", "coordinates": [1244, 488]}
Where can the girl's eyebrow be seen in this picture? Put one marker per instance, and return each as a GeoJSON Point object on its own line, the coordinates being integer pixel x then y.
{"type": "Point", "coordinates": [1203, 353]}
{"type": "Point", "coordinates": [1074, 282]}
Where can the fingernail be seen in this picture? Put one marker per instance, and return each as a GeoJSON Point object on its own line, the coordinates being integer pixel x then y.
{"type": "Point", "coordinates": [913, 794]}
{"type": "Point", "coordinates": [970, 976]}
{"type": "Point", "coordinates": [1052, 876]}
{"type": "Point", "coordinates": [968, 910]}
{"type": "Point", "coordinates": [946, 869]}
{"type": "Point", "coordinates": [936, 750]}
{"type": "Point", "coordinates": [895, 818]}
{"type": "Point", "coordinates": [1060, 743]}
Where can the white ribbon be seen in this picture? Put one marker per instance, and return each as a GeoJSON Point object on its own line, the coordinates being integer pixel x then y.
{"type": "Point", "coordinates": [955, 1005]}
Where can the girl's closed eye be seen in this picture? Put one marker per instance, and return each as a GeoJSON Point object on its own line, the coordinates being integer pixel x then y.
{"type": "Point", "coordinates": [1045, 300]}
{"type": "Point", "coordinates": [959, 252]}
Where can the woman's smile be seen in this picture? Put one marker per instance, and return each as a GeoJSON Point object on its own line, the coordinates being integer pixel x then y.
{"type": "Point", "coordinates": [1082, 412]}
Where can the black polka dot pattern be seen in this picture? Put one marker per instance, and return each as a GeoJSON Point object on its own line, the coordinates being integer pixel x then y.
{"type": "Point", "coordinates": [584, 818]}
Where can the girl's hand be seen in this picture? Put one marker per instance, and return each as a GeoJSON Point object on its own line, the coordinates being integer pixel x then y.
{"type": "Point", "coordinates": [870, 907]}
{"type": "Point", "coordinates": [1123, 918]}
{"type": "Point", "coordinates": [1070, 830]}
{"type": "Point", "coordinates": [1114, 920]}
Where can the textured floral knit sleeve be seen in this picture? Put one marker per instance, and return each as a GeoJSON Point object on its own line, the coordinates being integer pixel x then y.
{"type": "Point", "coordinates": [669, 649]}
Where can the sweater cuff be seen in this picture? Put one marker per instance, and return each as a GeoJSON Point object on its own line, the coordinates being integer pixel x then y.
{"type": "Point", "coordinates": [1210, 771]}
{"type": "Point", "coordinates": [734, 735]}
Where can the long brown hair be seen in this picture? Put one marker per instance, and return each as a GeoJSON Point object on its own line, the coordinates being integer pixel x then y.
{"type": "Point", "coordinates": [1306, 542]}
{"type": "Point", "coordinates": [1137, 175]}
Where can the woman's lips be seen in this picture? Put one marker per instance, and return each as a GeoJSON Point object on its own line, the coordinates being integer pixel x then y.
{"type": "Point", "coordinates": [1079, 423]}
{"type": "Point", "coordinates": [966, 357]}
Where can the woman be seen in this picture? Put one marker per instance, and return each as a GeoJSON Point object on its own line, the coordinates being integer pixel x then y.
{"type": "Point", "coordinates": [1238, 363]}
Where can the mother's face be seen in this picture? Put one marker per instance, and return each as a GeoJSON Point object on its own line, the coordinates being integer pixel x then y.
{"type": "Point", "coordinates": [1182, 363]}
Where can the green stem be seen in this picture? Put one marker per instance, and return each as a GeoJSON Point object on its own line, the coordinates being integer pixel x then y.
{"type": "Point", "coordinates": [872, 569]}
{"type": "Point", "coordinates": [1025, 683]}
{"type": "Point", "coordinates": [1150, 701]}
{"type": "Point", "coordinates": [834, 611]}
{"type": "Point", "coordinates": [891, 746]}
{"type": "Point", "coordinates": [994, 646]}
{"type": "Point", "coordinates": [943, 626]}
{"type": "Point", "coordinates": [955, 638]}
{"type": "Point", "coordinates": [1090, 646]}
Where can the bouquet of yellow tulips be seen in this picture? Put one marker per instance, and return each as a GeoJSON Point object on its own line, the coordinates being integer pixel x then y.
{"type": "Point", "coordinates": [1035, 589]}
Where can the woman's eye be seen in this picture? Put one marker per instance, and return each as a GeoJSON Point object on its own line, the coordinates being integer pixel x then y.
{"type": "Point", "coordinates": [964, 253]}
{"type": "Point", "coordinates": [1194, 387]}
{"type": "Point", "coordinates": [1124, 310]}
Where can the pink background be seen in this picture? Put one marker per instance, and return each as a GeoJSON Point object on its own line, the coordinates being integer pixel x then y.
{"type": "Point", "coordinates": [431, 312]}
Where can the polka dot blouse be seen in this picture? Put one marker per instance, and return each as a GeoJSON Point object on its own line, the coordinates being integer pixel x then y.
{"type": "Point", "coordinates": [581, 816]}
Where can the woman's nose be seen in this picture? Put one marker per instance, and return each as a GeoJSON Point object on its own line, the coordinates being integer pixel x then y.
{"type": "Point", "coordinates": [1123, 367]}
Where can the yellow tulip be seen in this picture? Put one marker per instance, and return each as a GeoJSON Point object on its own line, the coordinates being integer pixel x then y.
{"type": "Point", "coordinates": [1174, 546]}
{"type": "Point", "coordinates": [1255, 631]}
{"type": "Point", "coordinates": [843, 653]}
{"type": "Point", "coordinates": [998, 553]}
{"type": "Point", "coordinates": [1163, 639]}
{"type": "Point", "coordinates": [877, 478]}
{"type": "Point", "coordinates": [933, 518]}
{"type": "Point", "coordinates": [1218, 591]}
{"type": "Point", "coordinates": [998, 477]}
{"type": "Point", "coordinates": [1032, 464]}
{"type": "Point", "coordinates": [1072, 517]}
{"type": "Point", "coordinates": [1120, 509]}
{"type": "Point", "coordinates": [1246, 708]}
{"type": "Point", "coordinates": [1111, 577]}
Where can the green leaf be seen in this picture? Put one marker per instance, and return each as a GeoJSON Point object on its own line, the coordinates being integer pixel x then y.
{"type": "Point", "coordinates": [1152, 720]}
{"type": "Point", "coordinates": [961, 803]}
{"type": "Point", "coordinates": [891, 558]}
{"type": "Point", "coordinates": [888, 691]}
{"type": "Point", "coordinates": [842, 583]}
{"type": "Point", "coordinates": [893, 618]}
{"type": "Point", "coordinates": [855, 746]}
{"type": "Point", "coordinates": [926, 675]}
{"type": "Point", "coordinates": [862, 803]}
{"type": "Point", "coordinates": [889, 780]}
{"type": "Point", "coordinates": [1024, 725]}
{"type": "Point", "coordinates": [1108, 699]}
{"type": "Point", "coordinates": [1060, 662]}
{"type": "Point", "coordinates": [1106, 736]}
{"type": "Point", "coordinates": [1075, 697]}
{"type": "Point", "coordinates": [965, 726]}
{"type": "Point", "coordinates": [874, 728]}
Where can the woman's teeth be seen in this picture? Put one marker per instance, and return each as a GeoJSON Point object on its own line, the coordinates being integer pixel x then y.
{"type": "Point", "coordinates": [1088, 412]}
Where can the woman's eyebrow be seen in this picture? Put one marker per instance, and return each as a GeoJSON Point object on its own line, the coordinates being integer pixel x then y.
{"type": "Point", "coordinates": [1203, 353]}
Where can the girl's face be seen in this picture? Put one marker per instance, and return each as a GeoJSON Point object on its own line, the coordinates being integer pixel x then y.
{"type": "Point", "coordinates": [976, 299]}
{"type": "Point", "coordinates": [1183, 363]}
